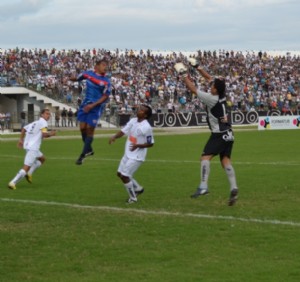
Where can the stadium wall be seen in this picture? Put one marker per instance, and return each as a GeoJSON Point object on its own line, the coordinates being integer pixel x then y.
{"type": "Point", "coordinates": [199, 119]}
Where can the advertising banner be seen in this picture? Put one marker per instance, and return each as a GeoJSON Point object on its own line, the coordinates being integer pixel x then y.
{"type": "Point", "coordinates": [199, 118]}
{"type": "Point", "coordinates": [279, 122]}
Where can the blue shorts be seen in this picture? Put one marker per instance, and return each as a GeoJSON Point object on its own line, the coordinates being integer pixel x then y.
{"type": "Point", "coordinates": [90, 117]}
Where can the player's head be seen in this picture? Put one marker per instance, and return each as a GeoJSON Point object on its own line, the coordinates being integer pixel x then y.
{"type": "Point", "coordinates": [144, 111]}
{"type": "Point", "coordinates": [219, 84]}
{"type": "Point", "coordinates": [45, 114]}
{"type": "Point", "coordinates": [101, 65]}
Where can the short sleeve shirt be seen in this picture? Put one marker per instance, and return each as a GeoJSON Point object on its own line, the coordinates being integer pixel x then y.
{"type": "Point", "coordinates": [138, 133]}
{"type": "Point", "coordinates": [34, 134]}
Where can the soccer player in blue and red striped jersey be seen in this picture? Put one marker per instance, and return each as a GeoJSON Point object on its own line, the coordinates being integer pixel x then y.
{"type": "Point", "coordinates": [98, 89]}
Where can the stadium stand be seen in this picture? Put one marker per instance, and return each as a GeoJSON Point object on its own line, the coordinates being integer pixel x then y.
{"type": "Point", "coordinates": [255, 80]}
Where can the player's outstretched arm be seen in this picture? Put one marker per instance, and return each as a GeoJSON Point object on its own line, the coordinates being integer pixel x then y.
{"type": "Point", "coordinates": [181, 69]}
{"type": "Point", "coordinates": [196, 64]}
{"type": "Point", "coordinates": [116, 136]}
{"type": "Point", "coordinates": [190, 85]}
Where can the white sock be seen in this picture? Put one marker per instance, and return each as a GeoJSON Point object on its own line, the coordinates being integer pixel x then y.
{"type": "Point", "coordinates": [231, 176]}
{"type": "Point", "coordinates": [204, 171]}
{"type": "Point", "coordinates": [21, 174]}
{"type": "Point", "coordinates": [35, 165]}
{"type": "Point", "coordinates": [130, 190]}
{"type": "Point", "coordinates": [136, 185]}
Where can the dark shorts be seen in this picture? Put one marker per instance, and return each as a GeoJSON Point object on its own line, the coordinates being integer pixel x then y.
{"type": "Point", "coordinates": [219, 144]}
{"type": "Point", "coordinates": [91, 117]}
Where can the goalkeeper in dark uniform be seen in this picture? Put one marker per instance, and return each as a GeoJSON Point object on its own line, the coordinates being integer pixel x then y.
{"type": "Point", "coordinates": [221, 139]}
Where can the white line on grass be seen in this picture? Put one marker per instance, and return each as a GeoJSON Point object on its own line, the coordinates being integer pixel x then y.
{"type": "Point", "coordinates": [150, 212]}
{"type": "Point", "coordinates": [287, 163]}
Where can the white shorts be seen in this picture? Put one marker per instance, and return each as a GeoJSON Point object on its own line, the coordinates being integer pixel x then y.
{"type": "Point", "coordinates": [128, 167]}
{"type": "Point", "coordinates": [31, 157]}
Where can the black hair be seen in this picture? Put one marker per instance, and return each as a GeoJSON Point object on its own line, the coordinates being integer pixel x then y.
{"type": "Point", "coordinates": [103, 60]}
{"type": "Point", "coordinates": [149, 110]}
{"type": "Point", "coordinates": [219, 84]}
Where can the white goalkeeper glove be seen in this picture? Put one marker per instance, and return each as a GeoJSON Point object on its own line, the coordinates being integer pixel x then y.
{"type": "Point", "coordinates": [193, 62]}
{"type": "Point", "coordinates": [181, 69]}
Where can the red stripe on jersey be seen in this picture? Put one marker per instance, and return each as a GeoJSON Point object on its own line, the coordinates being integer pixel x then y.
{"type": "Point", "coordinates": [95, 80]}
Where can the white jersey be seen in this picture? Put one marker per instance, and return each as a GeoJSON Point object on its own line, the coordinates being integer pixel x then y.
{"type": "Point", "coordinates": [138, 133]}
{"type": "Point", "coordinates": [34, 134]}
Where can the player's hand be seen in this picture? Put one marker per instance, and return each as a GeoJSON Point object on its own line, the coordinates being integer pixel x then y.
{"type": "Point", "coordinates": [181, 69]}
{"type": "Point", "coordinates": [133, 147]}
{"type": "Point", "coordinates": [74, 79]}
{"type": "Point", "coordinates": [52, 132]}
{"type": "Point", "coordinates": [111, 140]}
{"type": "Point", "coordinates": [87, 108]}
{"type": "Point", "coordinates": [20, 143]}
{"type": "Point", "coordinates": [193, 62]}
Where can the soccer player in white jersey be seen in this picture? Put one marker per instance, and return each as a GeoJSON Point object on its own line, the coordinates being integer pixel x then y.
{"type": "Point", "coordinates": [139, 138]}
{"type": "Point", "coordinates": [31, 139]}
{"type": "Point", "coordinates": [221, 139]}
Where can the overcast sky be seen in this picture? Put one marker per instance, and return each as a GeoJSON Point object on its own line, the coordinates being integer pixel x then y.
{"type": "Point", "coordinates": [175, 25]}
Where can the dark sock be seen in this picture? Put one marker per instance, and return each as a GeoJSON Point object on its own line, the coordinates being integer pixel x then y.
{"type": "Point", "coordinates": [87, 145]}
{"type": "Point", "coordinates": [83, 136]}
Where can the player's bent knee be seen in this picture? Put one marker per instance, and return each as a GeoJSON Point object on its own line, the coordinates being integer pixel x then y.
{"type": "Point", "coordinates": [125, 179]}
{"type": "Point", "coordinates": [42, 159]}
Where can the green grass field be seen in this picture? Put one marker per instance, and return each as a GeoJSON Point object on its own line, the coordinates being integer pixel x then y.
{"type": "Point", "coordinates": [72, 223]}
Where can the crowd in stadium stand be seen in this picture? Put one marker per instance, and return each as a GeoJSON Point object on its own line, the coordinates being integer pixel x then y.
{"type": "Point", "coordinates": [255, 80]}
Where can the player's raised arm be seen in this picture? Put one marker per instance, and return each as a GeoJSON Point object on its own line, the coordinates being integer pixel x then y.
{"type": "Point", "coordinates": [196, 64]}
{"type": "Point", "coordinates": [182, 70]}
